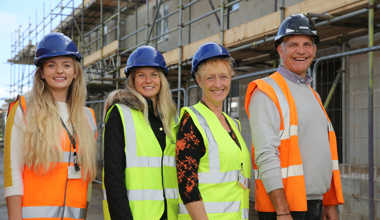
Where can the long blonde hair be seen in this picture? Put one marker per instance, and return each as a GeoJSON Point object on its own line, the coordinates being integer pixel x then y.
{"type": "Point", "coordinates": [43, 130]}
{"type": "Point", "coordinates": [165, 104]}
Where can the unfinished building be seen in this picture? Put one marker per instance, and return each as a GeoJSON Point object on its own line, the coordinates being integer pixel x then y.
{"type": "Point", "coordinates": [346, 72]}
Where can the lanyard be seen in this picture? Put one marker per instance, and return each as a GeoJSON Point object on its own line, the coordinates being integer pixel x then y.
{"type": "Point", "coordinates": [73, 143]}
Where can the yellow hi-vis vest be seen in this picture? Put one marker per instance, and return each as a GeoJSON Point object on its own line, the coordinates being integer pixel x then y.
{"type": "Point", "coordinates": [150, 174]}
{"type": "Point", "coordinates": [276, 88]}
{"type": "Point", "coordinates": [223, 169]}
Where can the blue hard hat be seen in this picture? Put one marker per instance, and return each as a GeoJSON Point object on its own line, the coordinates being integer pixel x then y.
{"type": "Point", "coordinates": [297, 24]}
{"type": "Point", "coordinates": [55, 45]}
{"type": "Point", "coordinates": [205, 52]}
{"type": "Point", "coordinates": [145, 56]}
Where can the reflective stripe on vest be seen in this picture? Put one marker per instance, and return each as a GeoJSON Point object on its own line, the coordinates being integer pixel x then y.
{"type": "Point", "coordinates": [289, 130]}
{"type": "Point", "coordinates": [245, 213]}
{"type": "Point", "coordinates": [214, 175]}
{"type": "Point", "coordinates": [153, 194]}
{"type": "Point", "coordinates": [52, 212]}
{"type": "Point", "coordinates": [213, 146]}
{"type": "Point", "coordinates": [292, 170]}
{"type": "Point", "coordinates": [131, 152]}
{"type": "Point", "coordinates": [219, 207]}
{"type": "Point", "coordinates": [335, 163]}
{"type": "Point", "coordinates": [216, 207]}
{"type": "Point", "coordinates": [237, 124]}
{"type": "Point", "coordinates": [90, 118]}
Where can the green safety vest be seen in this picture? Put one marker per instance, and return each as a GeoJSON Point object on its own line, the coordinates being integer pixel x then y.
{"type": "Point", "coordinates": [150, 174]}
{"type": "Point", "coordinates": [224, 170]}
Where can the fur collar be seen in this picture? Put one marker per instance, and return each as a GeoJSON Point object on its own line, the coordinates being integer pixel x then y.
{"type": "Point", "coordinates": [123, 96]}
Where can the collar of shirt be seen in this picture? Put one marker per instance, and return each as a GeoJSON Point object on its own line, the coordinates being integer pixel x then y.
{"type": "Point", "coordinates": [294, 77]}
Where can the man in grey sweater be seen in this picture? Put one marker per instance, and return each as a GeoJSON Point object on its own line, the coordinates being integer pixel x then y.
{"type": "Point", "coordinates": [295, 154]}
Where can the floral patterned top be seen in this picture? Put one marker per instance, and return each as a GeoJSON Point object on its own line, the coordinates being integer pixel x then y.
{"type": "Point", "coordinates": [190, 149]}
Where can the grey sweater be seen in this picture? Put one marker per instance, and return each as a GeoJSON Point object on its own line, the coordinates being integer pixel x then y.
{"type": "Point", "coordinates": [312, 137]}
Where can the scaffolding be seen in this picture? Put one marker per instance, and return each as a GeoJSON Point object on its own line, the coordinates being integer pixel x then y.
{"type": "Point", "coordinates": [105, 37]}
{"type": "Point", "coordinates": [107, 31]}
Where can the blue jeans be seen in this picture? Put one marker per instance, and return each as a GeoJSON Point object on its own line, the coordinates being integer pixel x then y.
{"type": "Point", "coordinates": [314, 212]}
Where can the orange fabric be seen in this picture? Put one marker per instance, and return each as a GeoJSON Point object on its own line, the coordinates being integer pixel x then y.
{"type": "Point", "coordinates": [268, 90]}
{"type": "Point", "coordinates": [294, 186]}
{"type": "Point", "coordinates": [8, 181]}
{"type": "Point", "coordinates": [39, 190]}
{"type": "Point", "coordinates": [19, 99]}
{"type": "Point", "coordinates": [335, 194]}
{"type": "Point", "coordinates": [12, 108]}
{"type": "Point", "coordinates": [48, 189]}
{"type": "Point", "coordinates": [94, 117]}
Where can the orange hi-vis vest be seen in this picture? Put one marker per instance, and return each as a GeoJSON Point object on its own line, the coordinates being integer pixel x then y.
{"type": "Point", "coordinates": [276, 88]}
{"type": "Point", "coordinates": [52, 195]}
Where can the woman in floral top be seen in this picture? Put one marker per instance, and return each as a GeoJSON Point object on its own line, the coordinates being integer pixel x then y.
{"type": "Point", "coordinates": [212, 160]}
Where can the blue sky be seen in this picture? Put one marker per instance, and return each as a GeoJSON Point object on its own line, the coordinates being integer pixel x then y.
{"type": "Point", "coordinates": [13, 15]}
{"type": "Point", "coordinates": [16, 14]}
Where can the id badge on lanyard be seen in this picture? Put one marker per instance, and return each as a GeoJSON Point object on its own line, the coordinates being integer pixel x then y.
{"type": "Point", "coordinates": [73, 171]}
{"type": "Point", "coordinates": [242, 180]}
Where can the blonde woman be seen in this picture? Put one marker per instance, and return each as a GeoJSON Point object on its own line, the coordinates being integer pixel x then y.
{"type": "Point", "coordinates": [213, 162]}
{"type": "Point", "coordinates": [139, 143]}
{"type": "Point", "coordinates": [50, 138]}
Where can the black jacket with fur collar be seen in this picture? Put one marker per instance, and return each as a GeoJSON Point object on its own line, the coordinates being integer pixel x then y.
{"type": "Point", "coordinates": [114, 154]}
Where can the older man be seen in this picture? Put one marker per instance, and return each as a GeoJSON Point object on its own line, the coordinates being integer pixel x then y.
{"type": "Point", "coordinates": [294, 144]}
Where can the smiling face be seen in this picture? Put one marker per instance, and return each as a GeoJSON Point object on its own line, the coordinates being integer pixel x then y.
{"type": "Point", "coordinates": [147, 81]}
{"type": "Point", "coordinates": [297, 52]}
{"type": "Point", "coordinates": [214, 78]}
{"type": "Point", "coordinates": [59, 73]}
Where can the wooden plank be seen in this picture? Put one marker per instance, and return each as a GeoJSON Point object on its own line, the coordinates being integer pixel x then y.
{"type": "Point", "coordinates": [322, 7]}
{"type": "Point", "coordinates": [109, 49]}
{"type": "Point", "coordinates": [255, 29]}
{"type": "Point", "coordinates": [171, 57]}
{"type": "Point", "coordinates": [350, 7]}
{"type": "Point", "coordinates": [190, 49]}
{"type": "Point", "coordinates": [244, 33]}
{"type": "Point", "coordinates": [92, 58]}
{"type": "Point", "coordinates": [122, 73]}
{"type": "Point", "coordinates": [107, 3]}
{"type": "Point", "coordinates": [266, 25]}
